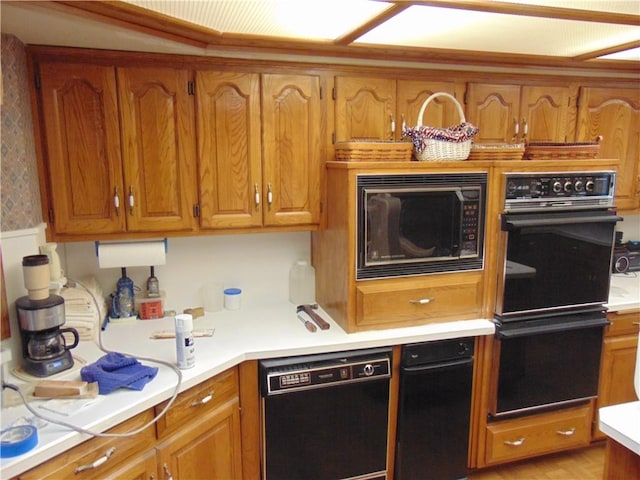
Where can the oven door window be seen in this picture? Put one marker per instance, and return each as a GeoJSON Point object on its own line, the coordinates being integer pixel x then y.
{"type": "Point", "coordinates": [557, 260]}
{"type": "Point", "coordinates": [549, 362]}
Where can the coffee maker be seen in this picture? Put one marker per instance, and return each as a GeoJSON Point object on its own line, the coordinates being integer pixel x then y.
{"type": "Point", "coordinates": [40, 318]}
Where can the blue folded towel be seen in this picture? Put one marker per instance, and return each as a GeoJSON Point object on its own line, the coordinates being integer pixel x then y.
{"type": "Point", "coordinates": [116, 370]}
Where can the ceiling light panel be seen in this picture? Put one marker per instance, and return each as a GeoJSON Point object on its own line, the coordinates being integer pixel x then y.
{"type": "Point", "coordinates": [299, 19]}
{"type": "Point", "coordinates": [444, 28]}
{"type": "Point", "coordinates": [629, 7]}
{"type": "Point", "coordinates": [633, 54]}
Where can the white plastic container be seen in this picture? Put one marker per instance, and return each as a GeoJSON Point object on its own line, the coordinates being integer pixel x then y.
{"type": "Point", "coordinates": [302, 283]}
{"type": "Point", "coordinates": [232, 298]}
{"type": "Point", "coordinates": [185, 346]}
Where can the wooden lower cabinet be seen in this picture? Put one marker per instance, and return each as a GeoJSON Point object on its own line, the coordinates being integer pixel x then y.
{"type": "Point", "coordinates": [618, 363]}
{"type": "Point", "coordinates": [198, 437]}
{"type": "Point", "coordinates": [525, 437]}
{"type": "Point", "coordinates": [209, 447]}
{"type": "Point", "coordinates": [127, 457]}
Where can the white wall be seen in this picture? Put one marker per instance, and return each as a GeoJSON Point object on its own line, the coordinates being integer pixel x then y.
{"type": "Point", "coordinates": [630, 228]}
{"type": "Point", "coordinates": [257, 263]}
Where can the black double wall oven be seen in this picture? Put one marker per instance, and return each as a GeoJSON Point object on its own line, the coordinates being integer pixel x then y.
{"type": "Point", "coordinates": [558, 232]}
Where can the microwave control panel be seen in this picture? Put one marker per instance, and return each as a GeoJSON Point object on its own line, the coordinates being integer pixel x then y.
{"type": "Point", "coordinates": [525, 191]}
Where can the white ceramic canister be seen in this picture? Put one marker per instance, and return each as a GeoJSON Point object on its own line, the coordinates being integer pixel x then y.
{"type": "Point", "coordinates": [232, 298]}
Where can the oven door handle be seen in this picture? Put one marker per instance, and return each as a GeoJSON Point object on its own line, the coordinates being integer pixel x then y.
{"type": "Point", "coordinates": [560, 326]}
{"type": "Point", "coordinates": [515, 222]}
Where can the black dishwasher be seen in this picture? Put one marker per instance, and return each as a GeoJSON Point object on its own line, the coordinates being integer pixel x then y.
{"type": "Point", "coordinates": [325, 417]}
{"type": "Point", "coordinates": [434, 410]}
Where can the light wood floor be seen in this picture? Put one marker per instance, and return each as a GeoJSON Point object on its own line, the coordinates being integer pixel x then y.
{"type": "Point", "coordinates": [583, 464]}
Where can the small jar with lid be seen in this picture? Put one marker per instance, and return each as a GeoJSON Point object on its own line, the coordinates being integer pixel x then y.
{"type": "Point", "coordinates": [232, 298]}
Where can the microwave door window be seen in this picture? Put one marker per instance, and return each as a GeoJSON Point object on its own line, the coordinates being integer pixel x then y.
{"type": "Point", "coordinates": [383, 228]}
{"type": "Point", "coordinates": [427, 225]}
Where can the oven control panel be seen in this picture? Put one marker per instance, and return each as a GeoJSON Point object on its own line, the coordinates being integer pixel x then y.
{"type": "Point", "coordinates": [526, 191]}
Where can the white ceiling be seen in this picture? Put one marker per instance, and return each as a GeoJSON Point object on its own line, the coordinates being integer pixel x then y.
{"type": "Point", "coordinates": [578, 33]}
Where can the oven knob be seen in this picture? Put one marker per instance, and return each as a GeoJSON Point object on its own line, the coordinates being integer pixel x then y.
{"type": "Point", "coordinates": [463, 349]}
{"type": "Point", "coordinates": [589, 186]}
{"type": "Point", "coordinates": [368, 370]}
{"type": "Point", "coordinates": [557, 187]}
{"type": "Point", "coordinates": [568, 186]}
{"type": "Point", "coordinates": [578, 186]}
{"type": "Point", "coordinates": [511, 187]}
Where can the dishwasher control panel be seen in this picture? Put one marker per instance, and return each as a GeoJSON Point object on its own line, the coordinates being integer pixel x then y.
{"type": "Point", "coordinates": [286, 375]}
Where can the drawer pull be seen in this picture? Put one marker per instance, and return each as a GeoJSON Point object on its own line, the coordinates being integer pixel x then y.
{"type": "Point", "coordinates": [515, 443]}
{"type": "Point", "coordinates": [167, 472]}
{"type": "Point", "coordinates": [422, 301]}
{"type": "Point", "coordinates": [566, 433]}
{"type": "Point", "coordinates": [203, 400]}
{"type": "Point", "coordinates": [97, 463]}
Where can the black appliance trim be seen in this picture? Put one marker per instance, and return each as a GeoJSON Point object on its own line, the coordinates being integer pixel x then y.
{"type": "Point", "coordinates": [438, 366]}
{"type": "Point", "coordinates": [550, 325]}
{"type": "Point", "coordinates": [514, 221]}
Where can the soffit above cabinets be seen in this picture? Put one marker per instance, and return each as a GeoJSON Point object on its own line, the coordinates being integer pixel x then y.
{"type": "Point", "coordinates": [574, 34]}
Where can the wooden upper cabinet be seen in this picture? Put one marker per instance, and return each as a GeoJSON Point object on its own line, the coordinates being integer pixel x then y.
{"type": "Point", "coordinates": [440, 112]}
{"type": "Point", "coordinates": [614, 113]}
{"type": "Point", "coordinates": [516, 114]}
{"type": "Point", "coordinates": [229, 149]}
{"type": "Point", "coordinates": [365, 108]}
{"type": "Point", "coordinates": [84, 165]}
{"type": "Point", "coordinates": [292, 149]}
{"type": "Point", "coordinates": [158, 138]}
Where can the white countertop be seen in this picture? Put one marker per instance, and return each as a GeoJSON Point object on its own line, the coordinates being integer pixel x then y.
{"type": "Point", "coordinates": [622, 423]}
{"type": "Point", "coordinates": [624, 292]}
{"type": "Point", "coordinates": [246, 334]}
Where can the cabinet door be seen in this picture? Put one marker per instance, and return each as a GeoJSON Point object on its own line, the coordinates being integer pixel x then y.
{"type": "Point", "coordinates": [157, 123]}
{"type": "Point", "coordinates": [364, 108]}
{"type": "Point", "coordinates": [80, 118]}
{"type": "Point", "coordinates": [291, 122]}
{"type": "Point", "coordinates": [441, 112]}
{"type": "Point", "coordinates": [209, 448]}
{"type": "Point", "coordinates": [229, 149]}
{"type": "Point", "coordinates": [614, 114]}
{"type": "Point", "coordinates": [544, 114]}
{"type": "Point", "coordinates": [494, 109]}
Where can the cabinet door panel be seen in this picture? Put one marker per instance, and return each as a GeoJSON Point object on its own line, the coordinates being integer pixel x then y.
{"type": "Point", "coordinates": [209, 448]}
{"type": "Point", "coordinates": [292, 149]}
{"type": "Point", "coordinates": [159, 148]}
{"type": "Point", "coordinates": [614, 114]}
{"type": "Point", "coordinates": [494, 110]}
{"type": "Point", "coordinates": [229, 149]}
{"type": "Point", "coordinates": [441, 112]}
{"type": "Point", "coordinates": [364, 108]}
{"type": "Point", "coordinates": [80, 109]}
{"type": "Point", "coordinates": [544, 113]}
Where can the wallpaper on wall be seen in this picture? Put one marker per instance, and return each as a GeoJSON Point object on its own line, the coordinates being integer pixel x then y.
{"type": "Point", "coordinates": [19, 189]}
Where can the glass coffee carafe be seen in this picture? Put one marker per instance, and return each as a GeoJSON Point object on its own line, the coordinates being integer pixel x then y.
{"type": "Point", "coordinates": [49, 344]}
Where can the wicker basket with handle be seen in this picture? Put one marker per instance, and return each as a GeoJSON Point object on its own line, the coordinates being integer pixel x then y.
{"type": "Point", "coordinates": [441, 144]}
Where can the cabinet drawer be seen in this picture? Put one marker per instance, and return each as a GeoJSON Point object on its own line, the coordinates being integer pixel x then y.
{"type": "Point", "coordinates": [412, 301]}
{"type": "Point", "coordinates": [198, 400]}
{"type": "Point", "coordinates": [537, 434]}
{"type": "Point", "coordinates": [117, 450]}
{"type": "Point", "coordinates": [623, 323]}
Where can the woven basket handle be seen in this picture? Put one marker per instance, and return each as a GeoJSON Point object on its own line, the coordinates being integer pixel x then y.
{"type": "Point", "coordinates": [436, 95]}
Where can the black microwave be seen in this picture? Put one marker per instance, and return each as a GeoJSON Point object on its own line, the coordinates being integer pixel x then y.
{"type": "Point", "coordinates": [415, 224]}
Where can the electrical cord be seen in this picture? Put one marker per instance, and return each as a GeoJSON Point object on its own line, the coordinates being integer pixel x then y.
{"type": "Point", "coordinates": [101, 346]}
